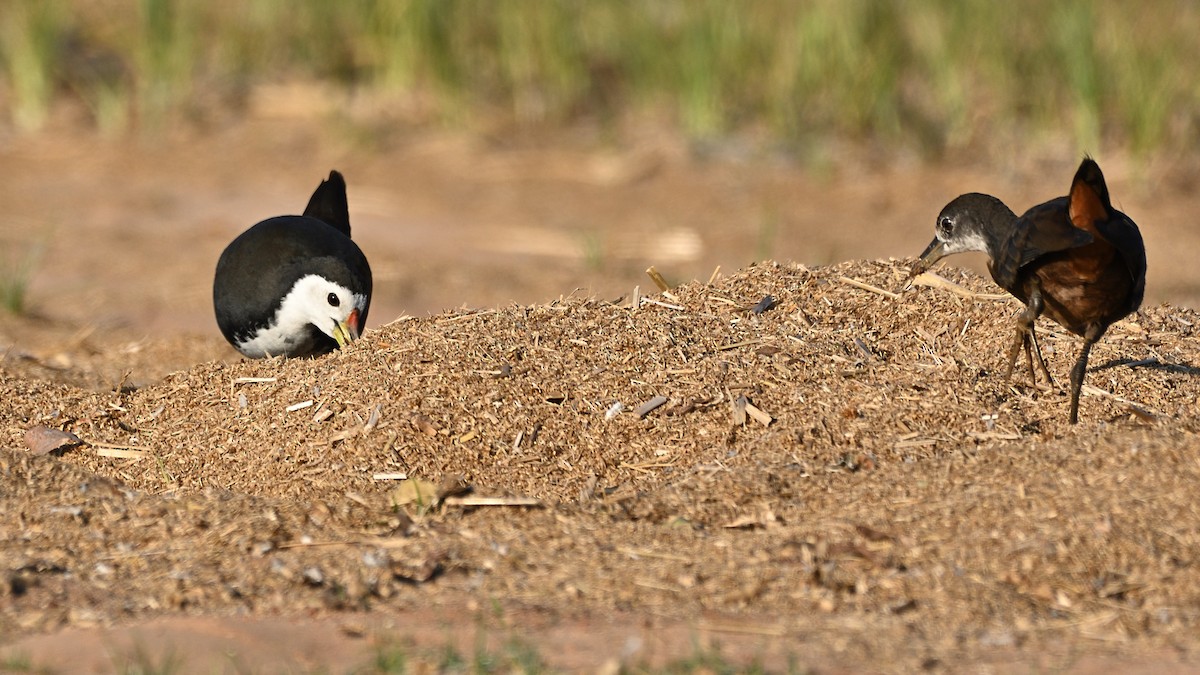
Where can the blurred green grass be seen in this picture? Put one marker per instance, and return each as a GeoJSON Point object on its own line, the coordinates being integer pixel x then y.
{"type": "Point", "coordinates": [933, 74]}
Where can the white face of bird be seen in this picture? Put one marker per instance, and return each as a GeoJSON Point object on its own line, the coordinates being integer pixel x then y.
{"type": "Point", "coordinates": [960, 233]}
{"type": "Point", "coordinates": [957, 231]}
{"type": "Point", "coordinates": [331, 307]}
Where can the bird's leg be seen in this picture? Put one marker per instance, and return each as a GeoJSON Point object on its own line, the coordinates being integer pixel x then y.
{"type": "Point", "coordinates": [1029, 355]}
{"type": "Point", "coordinates": [1025, 322]}
{"type": "Point", "coordinates": [1019, 340]}
{"type": "Point", "coordinates": [1093, 334]}
{"type": "Point", "coordinates": [1037, 349]}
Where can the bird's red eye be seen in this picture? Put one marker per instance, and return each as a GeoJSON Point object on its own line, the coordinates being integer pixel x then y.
{"type": "Point", "coordinates": [334, 301]}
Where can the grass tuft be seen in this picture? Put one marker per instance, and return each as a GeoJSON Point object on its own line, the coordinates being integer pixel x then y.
{"type": "Point", "coordinates": [31, 33]}
{"type": "Point", "coordinates": [16, 272]}
{"type": "Point", "coordinates": [143, 662]}
{"type": "Point", "coordinates": [18, 663]}
{"type": "Point", "coordinates": [937, 74]}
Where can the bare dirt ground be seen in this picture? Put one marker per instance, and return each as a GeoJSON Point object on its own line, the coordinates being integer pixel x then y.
{"type": "Point", "coordinates": [886, 504]}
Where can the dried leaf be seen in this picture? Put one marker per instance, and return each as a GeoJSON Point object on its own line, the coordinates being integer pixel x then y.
{"type": "Point", "coordinates": [43, 440]}
{"type": "Point", "coordinates": [424, 425]}
{"type": "Point", "coordinates": [763, 305]}
{"type": "Point", "coordinates": [423, 493]}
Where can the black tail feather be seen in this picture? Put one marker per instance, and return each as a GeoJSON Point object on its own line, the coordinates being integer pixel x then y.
{"type": "Point", "coordinates": [1090, 175]}
{"type": "Point", "coordinates": [328, 203]}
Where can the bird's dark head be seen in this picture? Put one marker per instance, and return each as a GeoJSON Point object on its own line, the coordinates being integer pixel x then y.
{"type": "Point", "coordinates": [968, 223]}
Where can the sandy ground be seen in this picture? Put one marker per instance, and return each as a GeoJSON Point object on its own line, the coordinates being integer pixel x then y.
{"type": "Point", "coordinates": [902, 510]}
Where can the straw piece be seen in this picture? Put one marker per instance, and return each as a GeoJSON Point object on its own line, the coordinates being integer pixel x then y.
{"type": "Point", "coordinates": [758, 415]}
{"type": "Point", "coordinates": [868, 287]}
{"type": "Point", "coordinates": [372, 419]}
{"type": "Point", "coordinates": [738, 406]}
{"type": "Point", "coordinates": [651, 301]}
{"type": "Point", "coordinates": [646, 408]}
{"type": "Point", "coordinates": [657, 279]}
{"type": "Point", "coordinates": [120, 453]}
{"type": "Point", "coordinates": [471, 500]}
{"type": "Point", "coordinates": [1141, 410]}
{"type": "Point", "coordinates": [932, 280]}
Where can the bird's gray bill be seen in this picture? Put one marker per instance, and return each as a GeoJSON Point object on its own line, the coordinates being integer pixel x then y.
{"type": "Point", "coordinates": [932, 253]}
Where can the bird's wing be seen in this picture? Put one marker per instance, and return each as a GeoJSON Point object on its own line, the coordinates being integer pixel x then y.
{"type": "Point", "coordinates": [1045, 228]}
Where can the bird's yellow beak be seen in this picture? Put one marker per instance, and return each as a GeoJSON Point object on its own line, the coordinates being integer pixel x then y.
{"type": "Point", "coordinates": [933, 253]}
{"type": "Point", "coordinates": [346, 331]}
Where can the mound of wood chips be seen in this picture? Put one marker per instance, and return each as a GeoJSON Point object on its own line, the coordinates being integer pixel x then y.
{"type": "Point", "coordinates": [822, 452]}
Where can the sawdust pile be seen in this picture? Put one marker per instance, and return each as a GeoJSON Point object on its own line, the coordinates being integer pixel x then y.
{"type": "Point", "coordinates": [841, 458]}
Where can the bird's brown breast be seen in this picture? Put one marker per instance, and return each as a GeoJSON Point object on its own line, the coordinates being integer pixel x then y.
{"type": "Point", "coordinates": [1081, 287]}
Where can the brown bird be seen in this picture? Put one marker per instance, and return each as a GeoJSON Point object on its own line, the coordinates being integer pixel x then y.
{"type": "Point", "coordinates": [1075, 259]}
